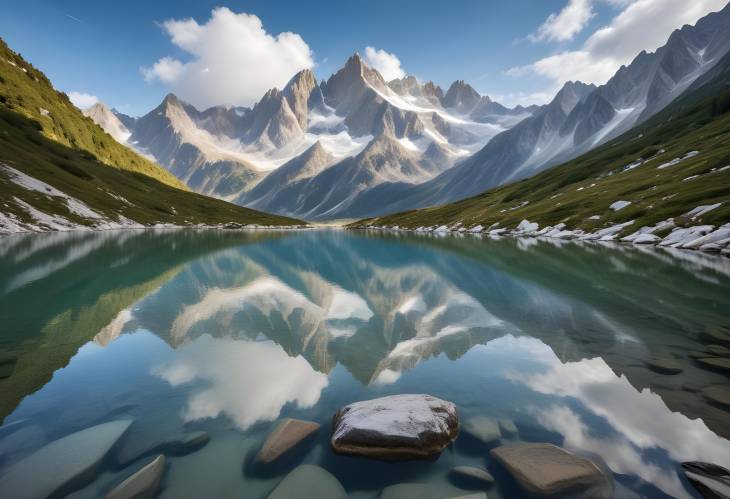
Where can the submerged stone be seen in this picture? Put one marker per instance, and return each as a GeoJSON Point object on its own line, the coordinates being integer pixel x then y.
{"type": "Point", "coordinates": [425, 491]}
{"type": "Point", "coordinates": [718, 334]}
{"type": "Point", "coordinates": [715, 363]}
{"type": "Point", "coordinates": [508, 428]}
{"type": "Point", "coordinates": [718, 350]}
{"type": "Point", "coordinates": [664, 365]}
{"type": "Point", "coordinates": [717, 394]}
{"type": "Point", "coordinates": [139, 447]}
{"type": "Point", "coordinates": [484, 429]}
{"type": "Point", "coordinates": [547, 470]}
{"type": "Point", "coordinates": [471, 476]}
{"type": "Point", "coordinates": [63, 465]}
{"type": "Point", "coordinates": [7, 363]}
{"type": "Point", "coordinates": [143, 484]}
{"type": "Point", "coordinates": [711, 480]}
{"type": "Point", "coordinates": [395, 427]}
{"type": "Point", "coordinates": [308, 481]}
{"type": "Point", "coordinates": [288, 434]}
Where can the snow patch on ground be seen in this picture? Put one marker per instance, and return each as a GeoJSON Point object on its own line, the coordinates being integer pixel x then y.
{"type": "Point", "coordinates": [33, 184]}
{"type": "Point", "coordinates": [676, 161]}
{"type": "Point", "coordinates": [701, 210]}
{"type": "Point", "coordinates": [619, 205]}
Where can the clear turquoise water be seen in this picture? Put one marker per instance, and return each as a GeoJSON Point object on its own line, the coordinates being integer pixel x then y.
{"type": "Point", "coordinates": [227, 332]}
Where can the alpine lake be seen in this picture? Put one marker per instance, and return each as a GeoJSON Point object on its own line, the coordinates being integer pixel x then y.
{"type": "Point", "coordinates": [195, 344]}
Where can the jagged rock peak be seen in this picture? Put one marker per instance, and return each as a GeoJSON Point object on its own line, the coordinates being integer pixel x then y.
{"type": "Point", "coordinates": [315, 150]}
{"type": "Point", "coordinates": [106, 119]}
{"type": "Point", "coordinates": [354, 62]}
{"type": "Point", "coordinates": [461, 96]}
{"type": "Point", "coordinates": [571, 94]}
{"type": "Point", "coordinates": [172, 100]}
{"type": "Point", "coordinates": [271, 94]}
{"type": "Point", "coordinates": [298, 92]}
{"type": "Point", "coordinates": [304, 80]}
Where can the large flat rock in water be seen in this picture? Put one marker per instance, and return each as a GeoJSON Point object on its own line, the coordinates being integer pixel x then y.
{"type": "Point", "coordinates": [395, 427]}
{"type": "Point", "coordinates": [308, 482]}
{"type": "Point", "coordinates": [546, 470]}
{"type": "Point", "coordinates": [63, 465]}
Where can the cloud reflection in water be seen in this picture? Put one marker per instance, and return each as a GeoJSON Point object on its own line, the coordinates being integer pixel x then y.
{"type": "Point", "coordinates": [247, 381]}
{"type": "Point", "coordinates": [641, 420]}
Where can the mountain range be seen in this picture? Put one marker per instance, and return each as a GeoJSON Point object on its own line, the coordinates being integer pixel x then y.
{"type": "Point", "coordinates": [354, 145]}
{"type": "Point", "coordinates": [316, 149]}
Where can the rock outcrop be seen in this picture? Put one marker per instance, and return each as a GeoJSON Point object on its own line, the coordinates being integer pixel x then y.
{"type": "Point", "coordinates": [395, 427]}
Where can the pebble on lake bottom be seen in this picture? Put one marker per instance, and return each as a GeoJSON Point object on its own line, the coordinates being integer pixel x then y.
{"type": "Point", "coordinates": [308, 481]}
{"type": "Point", "coordinates": [143, 484]}
{"type": "Point", "coordinates": [718, 394]}
{"type": "Point", "coordinates": [715, 364]}
{"type": "Point", "coordinates": [664, 365]}
{"type": "Point", "coordinates": [287, 434]}
{"type": "Point", "coordinates": [471, 476]}
{"type": "Point", "coordinates": [508, 428]}
{"type": "Point", "coordinates": [484, 429]}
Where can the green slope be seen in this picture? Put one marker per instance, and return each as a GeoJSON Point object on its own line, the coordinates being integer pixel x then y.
{"type": "Point", "coordinates": [46, 137]}
{"type": "Point", "coordinates": [697, 121]}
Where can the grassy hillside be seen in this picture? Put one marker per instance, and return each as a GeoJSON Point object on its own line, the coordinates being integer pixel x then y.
{"type": "Point", "coordinates": [577, 193]}
{"type": "Point", "coordinates": [44, 136]}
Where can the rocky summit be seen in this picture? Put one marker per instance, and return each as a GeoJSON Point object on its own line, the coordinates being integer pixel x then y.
{"type": "Point", "coordinates": [395, 427]}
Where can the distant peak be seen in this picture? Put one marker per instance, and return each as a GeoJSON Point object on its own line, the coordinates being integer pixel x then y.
{"type": "Point", "coordinates": [303, 79]}
{"type": "Point", "coordinates": [461, 86]}
{"type": "Point", "coordinates": [272, 93]}
{"type": "Point", "coordinates": [100, 106]}
{"type": "Point", "coordinates": [171, 99]}
{"type": "Point", "coordinates": [304, 74]}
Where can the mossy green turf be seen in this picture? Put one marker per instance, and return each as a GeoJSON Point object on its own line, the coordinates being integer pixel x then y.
{"type": "Point", "coordinates": [698, 121]}
{"type": "Point", "coordinates": [70, 152]}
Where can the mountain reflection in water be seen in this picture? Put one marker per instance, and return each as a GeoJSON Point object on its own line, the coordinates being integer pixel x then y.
{"type": "Point", "coordinates": [261, 325]}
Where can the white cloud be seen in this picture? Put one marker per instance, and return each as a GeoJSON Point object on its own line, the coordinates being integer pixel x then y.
{"type": "Point", "coordinates": [641, 25]}
{"type": "Point", "coordinates": [82, 100]}
{"type": "Point", "coordinates": [167, 70]}
{"type": "Point", "coordinates": [233, 59]}
{"type": "Point", "coordinates": [387, 64]}
{"type": "Point", "coordinates": [566, 24]}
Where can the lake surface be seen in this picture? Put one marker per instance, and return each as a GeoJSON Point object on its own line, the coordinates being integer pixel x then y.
{"type": "Point", "coordinates": [226, 332]}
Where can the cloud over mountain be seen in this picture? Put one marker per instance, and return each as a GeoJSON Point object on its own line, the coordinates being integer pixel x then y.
{"type": "Point", "coordinates": [82, 100]}
{"type": "Point", "coordinates": [233, 59]}
{"type": "Point", "coordinates": [641, 25]}
{"type": "Point", "coordinates": [387, 64]}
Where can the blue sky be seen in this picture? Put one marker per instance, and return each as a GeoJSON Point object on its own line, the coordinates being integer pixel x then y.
{"type": "Point", "coordinates": [102, 48]}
